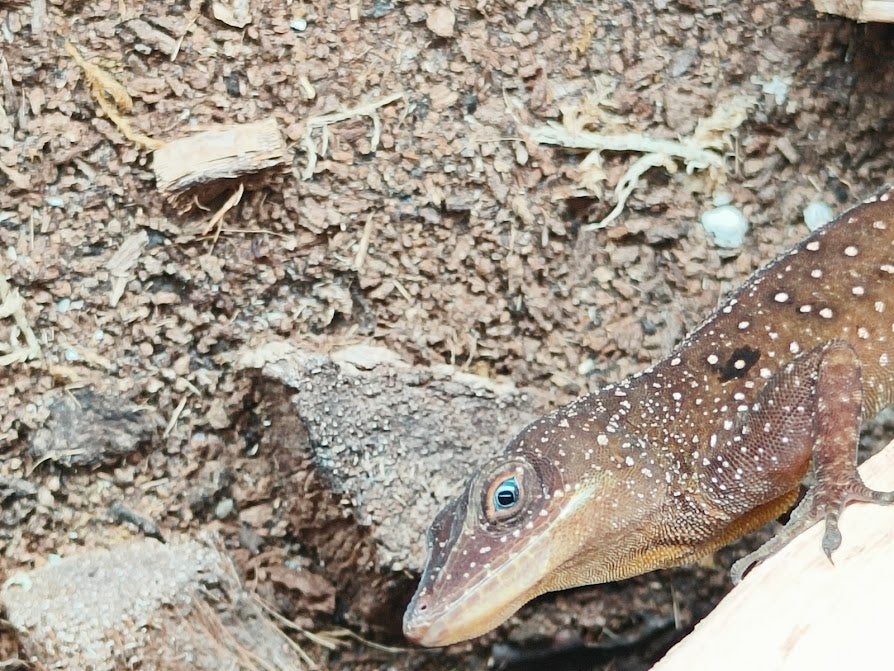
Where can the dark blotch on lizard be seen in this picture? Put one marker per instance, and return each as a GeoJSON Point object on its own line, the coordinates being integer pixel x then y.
{"type": "Point", "coordinates": [739, 363]}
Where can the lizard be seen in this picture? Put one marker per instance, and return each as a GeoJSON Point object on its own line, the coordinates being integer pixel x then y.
{"type": "Point", "coordinates": [709, 444]}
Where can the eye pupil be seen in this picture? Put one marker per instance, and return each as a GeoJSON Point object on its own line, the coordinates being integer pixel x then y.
{"type": "Point", "coordinates": [506, 495]}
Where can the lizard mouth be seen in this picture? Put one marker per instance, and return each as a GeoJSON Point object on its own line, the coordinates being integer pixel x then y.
{"type": "Point", "coordinates": [483, 605]}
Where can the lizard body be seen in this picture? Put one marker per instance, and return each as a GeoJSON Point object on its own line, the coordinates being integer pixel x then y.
{"type": "Point", "coordinates": [705, 446]}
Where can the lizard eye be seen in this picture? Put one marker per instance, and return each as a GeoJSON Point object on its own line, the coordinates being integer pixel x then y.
{"type": "Point", "coordinates": [506, 496]}
{"type": "Point", "coordinates": [503, 499]}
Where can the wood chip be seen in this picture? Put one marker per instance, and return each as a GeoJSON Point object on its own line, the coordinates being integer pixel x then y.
{"type": "Point", "coordinates": [122, 262]}
{"type": "Point", "coordinates": [800, 609]}
{"type": "Point", "coordinates": [206, 162]}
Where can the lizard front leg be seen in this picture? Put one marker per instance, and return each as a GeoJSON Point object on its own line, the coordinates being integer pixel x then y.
{"type": "Point", "coordinates": [837, 417]}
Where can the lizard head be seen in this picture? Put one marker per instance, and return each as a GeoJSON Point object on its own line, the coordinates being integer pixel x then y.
{"type": "Point", "coordinates": [522, 527]}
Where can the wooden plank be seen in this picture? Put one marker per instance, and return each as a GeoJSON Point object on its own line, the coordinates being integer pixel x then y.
{"type": "Point", "coordinates": [797, 610]}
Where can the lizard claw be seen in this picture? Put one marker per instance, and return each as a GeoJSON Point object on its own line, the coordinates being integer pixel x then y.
{"type": "Point", "coordinates": [741, 566]}
{"type": "Point", "coordinates": [832, 537]}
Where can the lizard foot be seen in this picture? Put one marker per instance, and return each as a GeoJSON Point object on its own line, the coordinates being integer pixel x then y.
{"type": "Point", "coordinates": [831, 510]}
{"type": "Point", "coordinates": [818, 504]}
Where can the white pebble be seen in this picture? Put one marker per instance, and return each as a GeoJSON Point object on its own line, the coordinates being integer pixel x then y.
{"type": "Point", "coordinates": [727, 225]}
{"type": "Point", "coordinates": [817, 214]}
{"type": "Point", "coordinates": [586, 367]}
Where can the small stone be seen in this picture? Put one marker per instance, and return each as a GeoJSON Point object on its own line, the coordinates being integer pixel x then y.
{"type": "Point", "coordinates": [441, 22]}
{"type": "Point", "coordinates": [603, 275]}
{"type": "Point", "coordinates": [727, 225]}
{"type": "Point", "coordinates": [224, 508]}
{"type": "Point", "coordinates": [586, 367]}
{"type": "Point", "coordinates": [45, 497]}
{"type": "Point", "coordinates": [124, 475]}
{"type": "Point", "coordinates": [817, 214]}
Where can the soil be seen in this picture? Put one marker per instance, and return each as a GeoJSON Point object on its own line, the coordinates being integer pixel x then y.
{"type": "Point", "coordinates": [431, 224]}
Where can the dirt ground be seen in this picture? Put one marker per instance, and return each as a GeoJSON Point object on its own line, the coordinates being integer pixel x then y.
{"type": "Point", "coordinates": [434, 224]}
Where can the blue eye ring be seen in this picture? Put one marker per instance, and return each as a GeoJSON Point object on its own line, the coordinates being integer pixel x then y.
{"type": "Point", "coordinates": [507, 495]}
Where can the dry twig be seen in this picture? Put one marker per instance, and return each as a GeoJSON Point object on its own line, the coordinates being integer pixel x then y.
{"type": "Point", "coordinates": [705, 149]}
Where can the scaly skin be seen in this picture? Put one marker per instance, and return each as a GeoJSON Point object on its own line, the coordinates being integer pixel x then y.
{"type": "Point", "coordinates": [691, 454]}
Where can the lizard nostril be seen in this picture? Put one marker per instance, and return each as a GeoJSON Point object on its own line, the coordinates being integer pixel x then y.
{"type": "Point", "coordinates": [419, 604]}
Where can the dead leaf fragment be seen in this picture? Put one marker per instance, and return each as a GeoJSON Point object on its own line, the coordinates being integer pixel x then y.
{"type": "Point", "coordinates": [151, 36]}
{"type": "Point", "coordinates": [19, 181]}
{"type": "Point", "coordinates": [87, 428]}
{"type": "Point", "coordinates": [319, 592]}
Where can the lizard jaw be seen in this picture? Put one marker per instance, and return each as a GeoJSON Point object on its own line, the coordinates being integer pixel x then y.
{"type": "Point", "coordinates": [483, 606]}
